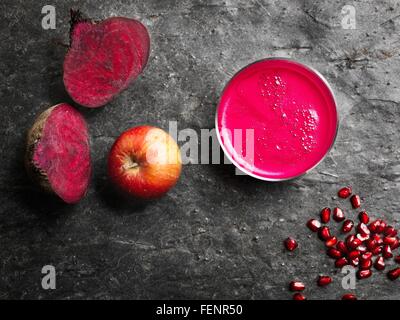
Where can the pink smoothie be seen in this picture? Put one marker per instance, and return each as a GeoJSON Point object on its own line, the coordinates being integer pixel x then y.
{"type": "Point", "coordinates": [286, 116]}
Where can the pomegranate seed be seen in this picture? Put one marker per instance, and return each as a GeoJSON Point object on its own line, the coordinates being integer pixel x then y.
{"type": "Point", "coordinates": [344, 192]}
{"type": "Point", "coordinates": [381, 227]}
{"type": "Point", "coordinates": [341, 246]}
{"type": "Point", "coordinates": [349, 239]}
{"type": "Point", "coordinates": [296, 286]}
{"type": "Point", "coordinates": [347, 226]}
{"type": "Point", "coordinates": [396, 244]}
{"type": "Point", "coordinates": [355, 262]}
{"type": "Point", "coordinates": [362, 237]}
{"type": "Point", "coordinates": [397, 259]}
{"type": "Point", "coordinates": [324, 233]}
{"type": "Point", "coordinates": [389, 240]}
{"type": "Point", "coordinates": [365, 264]}
{"type": "Point", "coordinates": [394, 274]}
{"type": "Point", "coordinates": [341, 262]}
{"type": "Point", "coordinates": [363, 274]}
{"type": "Point", "coordinates": [299, 296]}
{"type": "Point", "coordinates": [333, 253]}
{"type": "Point", "coordinates": [373, 226]}
{"type": "Point", "coordinates": [349, 296]}
{"type": "Point", "coordinates": [376, 251]}
{"type": "Point", "coordinates": [379, 263]}
{"type": "Point", "coordinates": [390, 231]}
{"type": "Point", "coordinates": [363, 229]}
{"type": "Point", "coordinates": [353, 254]}
{"type": "Point", "coordinates": [362, 249]}
{"type": "Point", "coordinates": [290, 244]}
{"type": "Point", "coordinates": [355, 201]}
{"type": "Point", "coordinates": [331, 242]}
{"type": "Point", "coordinates": [363, 217]}
{"type": "Point", "coordinates": [324, 281]}
{"type": "Point", "coordinates": [387, 252]}
{"type": "Point", "coordinates": [325, 215]}
{"type": "Point", "coordinates": [378, 239]}
{"type": "Point", "coordinates": [313, 225]}
{"type": "Point", "coordinates": [371, 244]}
{"type": "Point", "coordinates": [338, 214]}
{"type": "Point", "coordinates": [355, 243]}
{"type": "Point", "coordinates": [366, 256]}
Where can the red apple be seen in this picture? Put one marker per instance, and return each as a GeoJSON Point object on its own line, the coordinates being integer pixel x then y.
{"type": "Point", "coordinates": [145, 162]}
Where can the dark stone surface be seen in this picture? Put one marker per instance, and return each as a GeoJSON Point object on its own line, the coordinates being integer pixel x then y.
{"type": "Point", "coordinates": [216, 235]}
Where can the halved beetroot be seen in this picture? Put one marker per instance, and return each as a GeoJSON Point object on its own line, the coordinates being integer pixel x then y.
{"type": "Point", "coordinates": [58, 154]}
{"type": "Point", "coordinates": [104, 58]}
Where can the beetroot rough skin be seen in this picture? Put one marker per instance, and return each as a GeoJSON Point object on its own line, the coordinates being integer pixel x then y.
{"type": "Point", "coordinates": [104, 58]}
{"type": "Point", "coordinates": [58, 154]}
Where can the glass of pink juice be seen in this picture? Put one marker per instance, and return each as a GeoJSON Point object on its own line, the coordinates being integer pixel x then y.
{"type": "Point", "coordinates": [276, 119]}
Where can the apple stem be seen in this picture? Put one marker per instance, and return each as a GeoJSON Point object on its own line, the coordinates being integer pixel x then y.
{"type": "Point", "coordinates": [130, 165]}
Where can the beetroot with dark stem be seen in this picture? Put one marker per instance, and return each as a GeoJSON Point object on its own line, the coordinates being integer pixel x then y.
{"type": "Point", "coordinates": [104, 58]}
{"type": "Point", "coordinates": [58, 154]}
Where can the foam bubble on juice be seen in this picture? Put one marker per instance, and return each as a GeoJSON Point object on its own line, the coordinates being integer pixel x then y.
{"type": "Point", "coordinates": [299, 121]}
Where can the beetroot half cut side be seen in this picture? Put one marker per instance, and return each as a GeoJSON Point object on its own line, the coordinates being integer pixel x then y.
{"type": "Point", "coordinates": [58, 153]}
{"type": "Point", "coordinates": [104, 58]}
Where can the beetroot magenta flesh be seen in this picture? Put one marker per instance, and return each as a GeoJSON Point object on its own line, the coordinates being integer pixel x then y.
{"type": "Point", "coordinates": [104, 58]}
{"type": "Point", "coordinates": [58, 155]}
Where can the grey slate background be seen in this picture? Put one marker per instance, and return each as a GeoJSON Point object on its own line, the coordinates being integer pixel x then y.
{"type": "Point", "coordinates": [216, 235]}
